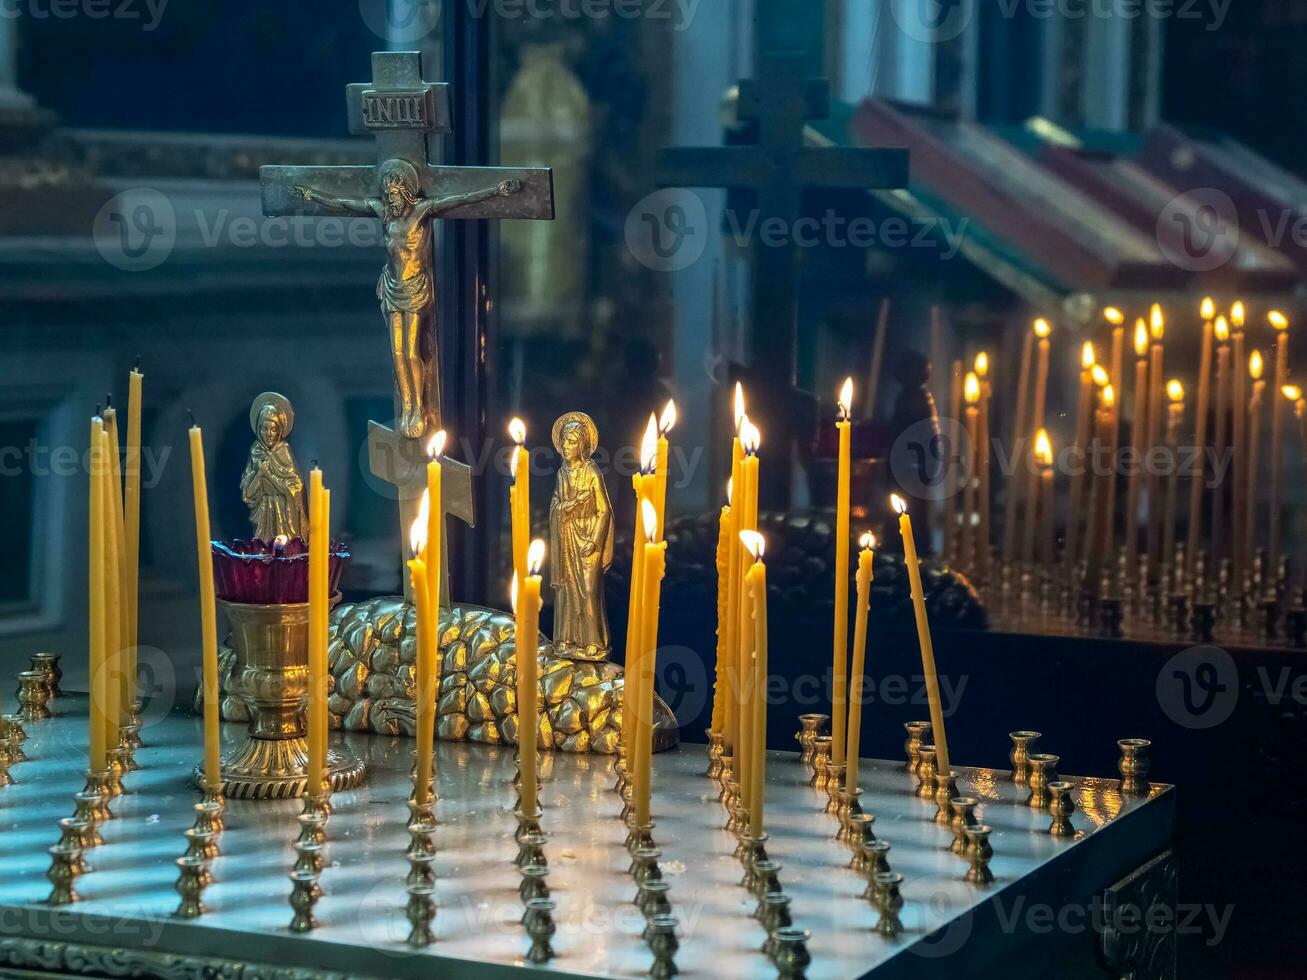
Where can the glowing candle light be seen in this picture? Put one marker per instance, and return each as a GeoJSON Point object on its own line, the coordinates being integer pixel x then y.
{"type": "Point", "coordinates": [983, 465]}
{"type": "Point", "coordinates": [434, 548]}
{"type": "Point", "coordinates": [1042, 331]}
{"type": "Point", "coordinates": [118, 608]}
{"type": "Point", "coordinates": [1116, 369]}
{"type": "Point", "coordinates": [923, 633]}
{"type": "Point", "coordinates": [1221, 331]}
{"type": "Point", "coordinates": [733, 575]}
{"type": "Point", "coordinates": [750, 440]}
{"type": "Point", "coordinates": [1138, 442]}
{"type": "Point", "coordinates": [1238, 439]}
{"type": "Point", "coordinates": [666, 422]}
{"type": "Point", "coordinates": [1174, 420]}
{"type": "Point", "coordinates": [867, 543]}
{"type": "Point", "coordinates": [1044, 459]}
{"type": "Point", "coordinates": [1256, 367]}
{"type": "Point", "coordinates": [756, 583]}
{"type": "Point", "coordinates": [839, 661]}
{"type": "Point", "coordinates": [1157, 332]}
{"type": "Point", "coordinates": [208, 611]}
{"type": "Point", "coordinates": [526, 609]}
{"type": "Point", "coordinates": [643, 485]}
{"type": "Point", "coordinates": [519, 496]}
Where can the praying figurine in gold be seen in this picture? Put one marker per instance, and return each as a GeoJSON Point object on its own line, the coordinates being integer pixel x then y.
{"type": "Point", "coordinates": [581, 542]}
{"type": "Point", "coordinates": [405, 289]}
{"type": "Point", "coordinates": [271, 486]}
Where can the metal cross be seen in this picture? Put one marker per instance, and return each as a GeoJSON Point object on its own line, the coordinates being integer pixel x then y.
{"type": "Point", "coordinates": [778, 168]}
{"type": "Point", "coordinates": [400, 111]}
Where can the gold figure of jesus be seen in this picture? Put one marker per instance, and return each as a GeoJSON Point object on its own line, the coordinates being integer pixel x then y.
{"type": "Point", "coordinates": [405, 288]}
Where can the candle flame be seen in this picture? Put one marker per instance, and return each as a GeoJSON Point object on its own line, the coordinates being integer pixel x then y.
{"type": "Point", "coordinates": [730, 491]}
{"type": "Point", "coordinates": [1278, 320]}
{"type": "Point", "coordinates": [982, 364]}
{"type": "Point", "coordinates": [1100, 376]}
{"type": "Point", "coordinates": [668, 420]}
{"type": "Point", "coordinates": [1156, 322]}
{"type": "Point", "coordinates": [1291, 392]}
{"type": "Point", "coordinates": [1087, 358]}
{"type": "Point", "coordinates": [1238, 314]}
{"type": "Point", "coordinates": [1222, 329]}
{"type": "Point", "coordinates": [1255, 365]}
{"type": "Point", "coordinates": [649, 518]}
{"type": "Point", "coordinates": [750, 437]}
{"type": "Point", "coordinates": [754, 543]}
{"type": "Point", "coordinates": [649, 446]}
{"type": "Point", "coordinates": [1042, 328]}
{"type": "Point", "coordinates": [1175, 390]}
{"type": "Point", "coordinates": [1113, 316]}
{"type": "Point", "coordinates": [417, 532]}
{"type": "Point", "coordinates": [517, 431]}
{"type": "Point", "coordinates": [971, 388]}
{"type": "Point", "coordinates": [1141, 337]}
{"type": "Point", "coordinates": [436, 445]}
{"type": "Point", "coordinates": [846, 400]}
{"type": "Point", "coordinates": [1109, 396]}
{"type": "Point", "coordinates": [535, 557]}
{"type": "Point", "coordinates": [1208, 309]}
{"type": "Point", "coordinates": [739, 404]}
{"type": "Point", "coordinates": [1043, 448]}
{"type": "Point", "coordinates": [512, 594]}
{"type": "Point", "coordinates": [868, 541]}
{"type": "Point", "coordinates": [898, 503]}
{"type": "Point", "coordinates": [280, 542]}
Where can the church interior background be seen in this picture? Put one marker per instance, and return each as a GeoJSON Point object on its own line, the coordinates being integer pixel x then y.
{"type": "Point", "coordinates": [1061, 159]}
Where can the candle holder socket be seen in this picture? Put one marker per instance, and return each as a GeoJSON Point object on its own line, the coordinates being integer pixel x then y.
{"type": "Point", "coordinates": [1023, 743]}
{"type": "Point", "coordinates": [534, 883]}
{"type": "Point", "coordinates": [1135, 765]}
{"type": "Point", "coordinates": [946, 789]}
{"type": "Point", "coordinates": [875, 862]}
{"type": "Point", "coordinates": [47, 665]}
{"type": "Point", "coordinates": [33, 695]}
{"type": "Point", "coordinates": [1043, 770]}
{"type": "Point", "coordinates": [304, 895]}
{"type": "Point", "coordinates": [926, 773]}
{"type": "Point", "coordinates": [192, 879]}
{"type": "Point", "coordinates": [792, 958]}
{"type": "Point", "coordinates": [917, 732]}
{"type": "Point", "coordinates": [1060, 807]}
{"type": "Point", "coordinates": [63, 872]}
{"type": "Point", "coordinates": [660, 934]}
{"type": "Point", "coordinates": [979, 851]}
{"type": "Point", "coordinates": [821, 750]}
{"type": "Point", "coordinates": [964, 816]}
{"type": "Point", "coordinates": [539, 923]}
{"type": "Point", "coordinates": [421, 912]}
{"type": "Point", "coordinates": [811, 725]}
{"type": "Point", "coordinates": [888, 899]}
{"type": "Point", "coordinates": [531, 850]}
{"type": "Point", "coordinates": [834, 785]}
{"type": "Point", "coordinates": [651, 898]}
{"type": "Point", "coordinates": [775, 915]}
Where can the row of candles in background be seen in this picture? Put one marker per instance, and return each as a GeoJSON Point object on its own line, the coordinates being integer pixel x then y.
{"type": "Point", "coordinates": [738, 732]}
{"type": "Point", "coordinates": [1221, 469]}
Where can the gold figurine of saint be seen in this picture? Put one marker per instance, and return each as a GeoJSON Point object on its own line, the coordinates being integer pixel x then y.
{"type": "Point", "coordinates": [271, 486]}
{"type": "Point", "coordinates": [405, 289]}
{"type": "Point", "coordinates": [581, 539]}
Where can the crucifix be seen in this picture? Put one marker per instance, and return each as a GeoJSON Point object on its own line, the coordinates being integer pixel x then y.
{"type": "Point", "coordinates": [407, 194]}
{"type": "Point", "coordinates": [778, 168]}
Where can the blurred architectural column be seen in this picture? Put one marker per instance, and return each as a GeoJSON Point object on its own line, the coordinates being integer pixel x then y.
{"type": "Point", "coordinates": [11, 96]}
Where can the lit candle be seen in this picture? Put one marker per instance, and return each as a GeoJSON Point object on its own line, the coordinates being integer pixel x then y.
{"type": "Point", "coordinates": [1238, 440]}
{"type": "Point", "coordinates": [1138, 441]}
{"type": "Point", "coordinates": [519, 496]}
{"type": "Point", "coordinates": [1200, 444]}
{"type": "Point", "coordinates": [1018, 434]}
{"type": "Point", "coordinates": [1221, 330]}
{"type": "Point", "coordinates": [865, 556]}
{"type": "Point", "coordinates": [433, 553]}
{"type": "Point", "coordinates": [983, 464]}
{"type": "Point", "coordinates": [1044, 458]}
{"type": "Point", "coordinates": [654, 561]}
{"type": "Point", "coordinates": [119, 587]}
{"type": "Point", "coordinates": [1098, 534]}
{"type": "Point", "coordinates": [319, 548]}
{"type": "Point", "coordinates": [1157, 332]}
{"type": "Point", "coordinates": [1293, 394]}
{"type": "Point", "coordinates": [208, 612]}
{"type": "Point", "coordinates": [923, 633]}
{"type": "Point", "coordinates": [748, 521]}
{"type": "Point", "coordinates": [1281, 324]}
{"type": "Point", "coordinates": [1084, 408]}
{"type": "Point", "coordinates": [643, 485]}
{"type": "Point", "coordinates": [526, 607]}
{"type": "Point", "coordinates": [839, 661]}
{"type": "Point", "coordinates": [756, 583]}
{"type": "Point", "coordinates": [1174, 420]}
{"type": "Point", "coordinates": [666, 422]}
{"type": "Point", "coordinates": [132, 518]}
{"type": "Point", "coordinates": [1256, 366]}
{"type": "Point", "coordinates": [1037, 422]}
{"type": "Point", "coordinates": [1117, 370]}
{"type": "Point", "coordinates": [424, 627]}
{"type": "Point", "coordinates": [97, 668]}
{"type": "Point", "coordinates": [723, 611]}
{"type": "Point", "coordinates": [111, 526]}
{"type": "Point", "coordinates": [971, 395]}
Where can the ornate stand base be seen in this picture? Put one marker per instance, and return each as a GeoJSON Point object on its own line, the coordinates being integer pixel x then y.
{"type": "Point", "coordinates": [264, 769]}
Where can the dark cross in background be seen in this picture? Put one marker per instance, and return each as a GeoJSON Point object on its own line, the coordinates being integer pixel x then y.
{"type": "Point", "coordinates": [778, 169]}
{"type": "Point", "coordinates": [400, 111]}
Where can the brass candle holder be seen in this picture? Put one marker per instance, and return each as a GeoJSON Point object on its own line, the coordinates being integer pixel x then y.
{"type": "Point", "coordinates": [1023, 743]}
{"type": "Point", "coordinates": [33, 695]}
{"type": "Point", "coordinates": [1134, 765]}
{"type": "Point", "coordinates": [47, 664]}
{"type": "Point", "coordinates": [812, 725]}
{"type": "Point", "coordinates": [271, 676]}
{"type": "Point", "coordinates": [917, 732]}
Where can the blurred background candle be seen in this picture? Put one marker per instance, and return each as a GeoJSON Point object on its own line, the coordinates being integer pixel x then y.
{"type": "Point", "coordinates": [1156, 397]}
{"type": "Point", "coordinates": [1174, 420]}
{"type": "Point", "coordinates": [208, 612]}
{"type": "Point", "coordinates": [1014, 483]}
{"type": "Point", "coordinates": [982, 465]}
{"type": "Point", "coordinates": [1084, 410]}
{"type": "Point", "coordinates": [1138, 442]}
{"type": "Point", "coordinates": [1238, 440]}
{"type": "Point", "coordinates": [1195, 529]}
{"type": "Point", "coordinates": [1220, 494]}
{"type": "Point", "coordinates": [1280, 323]}
{"type": "Point", "coordinates": [970, 395]}
{"type": "Point", "coordinates": [1256, 367]}
{"type": "Point", "coordinates": [1044, 460]}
